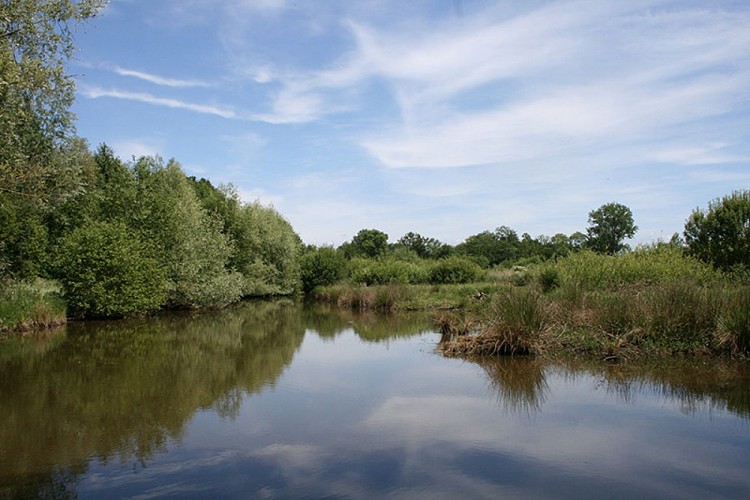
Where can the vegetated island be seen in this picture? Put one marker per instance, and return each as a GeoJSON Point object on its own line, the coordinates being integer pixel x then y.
{"type": "Point", "coordinates": [86, 235]}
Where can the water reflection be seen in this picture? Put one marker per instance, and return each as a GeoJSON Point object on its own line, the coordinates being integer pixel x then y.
{"type": "Point", "coordinates": [197, 404]}
{"type": "Point", "coordinates": [124, 390]}
{"type": "Point", "coordinates": [518, 383]}
{"type": "Point", "coordinates": [329, 322]}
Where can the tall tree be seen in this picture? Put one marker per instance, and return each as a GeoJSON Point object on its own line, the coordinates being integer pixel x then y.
{"type": "Point", "coordinates": [36, 94]}
{"type": "Point", "coordinates": [36, 128]}
{"type": "Point", "coordinates": [609, 225]}
{"type": "Point", "coordinates": [426, 248]}
{"type": "Point", "coordinates": [369, 243]}
{"type": "Point", "coordinates": [721, 234]}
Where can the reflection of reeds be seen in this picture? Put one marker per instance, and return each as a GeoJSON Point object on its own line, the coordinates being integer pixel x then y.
{"type": "Point", "coordinates": [692, 383]}
{"type": "Point", "coordinates": [518, 382]}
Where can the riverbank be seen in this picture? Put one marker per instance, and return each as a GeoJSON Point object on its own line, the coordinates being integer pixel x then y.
{"type": "Point", "coordinates": [26, 306]}
{"type": "Point", "coordinates": [653, 303]}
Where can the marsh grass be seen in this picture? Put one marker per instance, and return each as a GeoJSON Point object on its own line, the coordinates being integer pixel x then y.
{"type": "Point", "coordinates": [31, 305]}
{"type": "Point", "coordinates": [513, 324]}
{"type": "Point", "coordinates": [681, 314]}
{"type": "Point", "coordinates": [733, 330]}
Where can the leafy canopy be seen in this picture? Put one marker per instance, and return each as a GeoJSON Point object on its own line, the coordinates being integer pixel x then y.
{"type": "Point", "coordinates": [721, 234]}
{"type": "Point", "coordinates": [609, 225]}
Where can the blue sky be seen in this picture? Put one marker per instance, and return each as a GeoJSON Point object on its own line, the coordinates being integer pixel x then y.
{"type": "Point", "coordinates": [443, 117]}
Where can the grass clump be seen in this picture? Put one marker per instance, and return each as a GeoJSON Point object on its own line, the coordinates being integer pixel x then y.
{"type": "Point", "coordinates": [733, 330]}
{"type": "Point", "coordinates": [29, 305]}
{"type": "Point", "coordinates": [514, 324]}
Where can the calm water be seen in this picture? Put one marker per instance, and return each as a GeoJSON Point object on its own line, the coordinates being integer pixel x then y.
{"type": "Point", "coordinates": [277, 400]}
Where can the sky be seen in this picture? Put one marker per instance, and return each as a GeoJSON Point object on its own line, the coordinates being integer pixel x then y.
{"type": "Point", "coordinates": [442, 117]}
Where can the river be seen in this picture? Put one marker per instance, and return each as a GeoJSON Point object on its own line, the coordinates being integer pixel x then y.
{"type": "Point", "coordinates": [281, 400]}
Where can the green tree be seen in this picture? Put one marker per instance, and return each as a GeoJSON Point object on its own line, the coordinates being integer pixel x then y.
{"type": "Point", "coordinates": [188, 242]}
{"type": "Point", "coordinates": [36, 94]}
{"type": "Point", "coordinates": [36, 130]}
{"type": "Point", "coordinates": [369, 243]}
{"type": "Point", "coordinates": [105, 272]}
{"type": "Point", "coordinates": [721, 234]}
{"type": "Point", "coordinates": [492, 248]}
{"type": "Point", "coordinates": [321, 267]}
{"type": "Point", "coordinates": [426, 248]}
{"type": "Point", "coordinates": [609, 225]}
{"type": "Point", "coordinates": [266, 251]}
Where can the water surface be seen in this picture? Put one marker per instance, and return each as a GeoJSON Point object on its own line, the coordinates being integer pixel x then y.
{"type": "Point", "coordinates": [280, 400]}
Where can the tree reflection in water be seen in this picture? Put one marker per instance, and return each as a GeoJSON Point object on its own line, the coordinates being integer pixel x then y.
{"type": "Point", "coordinates": [124, 390]}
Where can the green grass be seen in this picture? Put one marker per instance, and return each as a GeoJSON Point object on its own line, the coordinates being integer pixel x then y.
{"type": "Point", "coordinates": [30, 305]}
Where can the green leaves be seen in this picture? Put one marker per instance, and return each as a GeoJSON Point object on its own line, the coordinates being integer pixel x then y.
{"type": "Point", "coordinates": [721, 235]}
{"type": "Point", "coordinates": [106, 271]}
{"type": "Point", "coordinates": [609, 225]}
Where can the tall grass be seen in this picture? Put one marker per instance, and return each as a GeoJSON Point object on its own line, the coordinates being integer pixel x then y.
{"type": "Point", "coordinates": [645, 266]}
{"type": "Point", "coordinates": [733, 330]}
{"type": "Point", "coordinates": [681, 314]}
{"type": "Point", "coordinates": [28, 305]}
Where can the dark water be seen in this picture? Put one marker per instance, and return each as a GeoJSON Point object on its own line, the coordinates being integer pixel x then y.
{"type": "Point", "coordinates": [276, 400]}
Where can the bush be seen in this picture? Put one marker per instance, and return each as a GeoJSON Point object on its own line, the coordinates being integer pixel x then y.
{"type": "Point", "coordinates": [647, 265]}
{"type": "Point", "coordinates": [549, 278]}
{"type": "Point", "coordinates": [455, 270]}
{"type": "Point", "coordinates": [386, 271]}
{"type": "Point", "coordinates": [105, 272]}
{"type": "Point", "coordinates": [321, 267]}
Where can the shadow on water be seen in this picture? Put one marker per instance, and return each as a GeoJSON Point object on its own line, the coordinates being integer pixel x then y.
{"type": "Point", "coordinates": [123, 390]}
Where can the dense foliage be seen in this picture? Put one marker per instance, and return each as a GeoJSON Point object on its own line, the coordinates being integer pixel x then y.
{"type": "Point", "coordinates": [609, 225]}
{"type": "Point", "coordinates": [106, 272]}
{"type": "Point", "coordinates": [721, 234]}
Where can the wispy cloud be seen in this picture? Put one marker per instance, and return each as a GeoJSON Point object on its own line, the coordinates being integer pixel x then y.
{"type": "Point", "coordinates": [96, 93]}
{"type": "Point", "coordinates": [560, 79]}
{"type": "Point", "coordinates": [159, 80]}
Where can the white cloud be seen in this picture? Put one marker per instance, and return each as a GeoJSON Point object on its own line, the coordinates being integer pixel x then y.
{"type": "Point", "coordinates": [159, 80]}
{"type": "Point", "coordinates": [560, 79]}
{"type": "Point", "coordinates": [96, 93]}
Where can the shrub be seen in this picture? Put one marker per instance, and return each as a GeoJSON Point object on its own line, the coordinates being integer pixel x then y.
{"type": "Point", "coordinates": [646, 265]}
{"type": "Point", "coordinates": [105, 272]}
{"type": "Point", "coordinates": [548, 278]}
{"type": "Point", "coordinates": [321, 267]}
{"type": "Point", "coordinates": [386, 271]}
{"type": "Point", "coordinates": [455, 270]}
